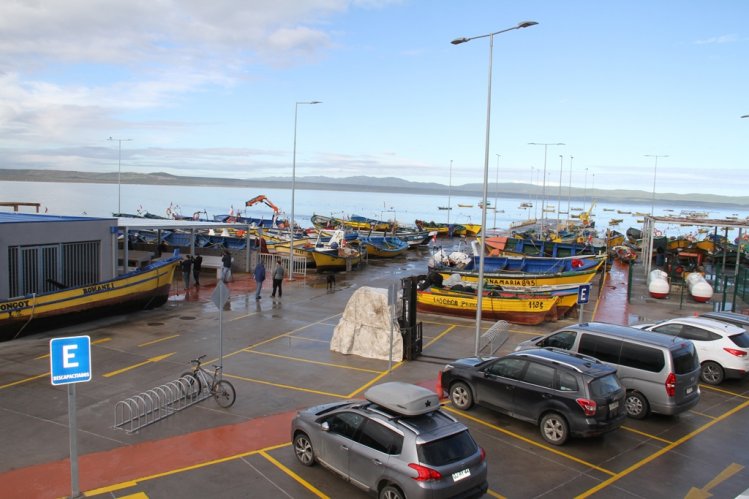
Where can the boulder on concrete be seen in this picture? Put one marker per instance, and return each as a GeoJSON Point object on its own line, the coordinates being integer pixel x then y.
{"type": "Point", "coordinates": [365, 327]}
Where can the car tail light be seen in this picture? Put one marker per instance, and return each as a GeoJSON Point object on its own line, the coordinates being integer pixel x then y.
{"type": "Point", "coordinates": [671, 385]}
{"type": "Point", "coordinates": [483, 453]}
{"type": "Point", "coordinates": [589, 406]}
{"type": "Point", "coordinates": [733, 351]}
{"type": "Point", "coordinates": [439, 385]}
{"type": "Point", "coordinates": [425, 473]}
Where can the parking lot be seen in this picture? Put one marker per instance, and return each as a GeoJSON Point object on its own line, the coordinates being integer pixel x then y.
{"type": "Point", "coordinates": [277, 355]}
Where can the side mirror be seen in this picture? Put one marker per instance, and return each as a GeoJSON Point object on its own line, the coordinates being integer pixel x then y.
{"type": "Point", "coordinates": [325, 426]}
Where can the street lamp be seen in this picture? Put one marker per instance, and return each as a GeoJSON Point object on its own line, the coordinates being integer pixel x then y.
{"type": "Point", "coordinates": [496, 193]}
{"type": "Point", "coordinates": [655, 170]}
{"type": "Point", "coordinates": [543, 189]}
{"type": "Point", "coordinates": [569, 190]}
{"type": "Point", "coordinates": [745, 116]}
{"type": "Point", "coordinates": [119, 170]}
{"type": "Point", "coordinates": [458, 41]}
{"type": "Point", "coordinates": [293, 190]}
{"type": "Point", "coordinates": [559, 195]}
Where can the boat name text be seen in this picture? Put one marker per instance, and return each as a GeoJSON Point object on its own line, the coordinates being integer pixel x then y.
{"type": "Point", "coordinates": [99, 287]}
{"type": "Point", "coordinates": [13, 305]}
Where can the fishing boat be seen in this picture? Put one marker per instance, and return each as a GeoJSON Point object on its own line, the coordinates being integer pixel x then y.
{"type": "Point", "coordinates": [517, 308]}
{"type": "Point", "coordinates": [143, 288]}
{"type": "Point", "coordinates": [465, 205]}
{"type": "Point", "coordinates": [442, 229]}
{"type": "Point", "coordinates": [363, 223]}
{"type": "Point", "coordinates": [339, 251]}
{"type": "Point", "coordinates": [504, 245]}
{"type": "Point", "coordinates": [383, 247]}
{"type": "Point", "coordinates": [521, 271]}
{"type": "Point", "coordinates": [472, 230]}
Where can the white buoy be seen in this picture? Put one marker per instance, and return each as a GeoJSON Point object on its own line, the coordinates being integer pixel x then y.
{"type": "Point", "coordinates": [699, 288]}
{"type": "Point", "coordinates": [658, 285]}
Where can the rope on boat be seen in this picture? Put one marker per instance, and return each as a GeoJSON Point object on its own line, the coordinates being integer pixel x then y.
{"type": "Point", "coordinates": [33, 296]}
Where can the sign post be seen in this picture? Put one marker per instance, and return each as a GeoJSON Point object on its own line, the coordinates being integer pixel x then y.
{"type": "Point", "coordinates": [70, 363]}
{"type": "Point", "coordinates": [583, 293]}
{"type": "Point", "coordinates": [219, 297]}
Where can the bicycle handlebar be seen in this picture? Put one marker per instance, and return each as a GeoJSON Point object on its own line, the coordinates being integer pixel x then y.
{"type": "Point", "coordinates": [198, 360]}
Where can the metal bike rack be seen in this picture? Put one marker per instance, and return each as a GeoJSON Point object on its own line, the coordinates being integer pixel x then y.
{"type": "Point", "coordinates": [157, 403]}
{"type": "Point", "coordinates": [495, 337]}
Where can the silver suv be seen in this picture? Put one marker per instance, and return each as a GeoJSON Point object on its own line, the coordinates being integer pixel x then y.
{"type": "Point", "coordinates": [396, 444]}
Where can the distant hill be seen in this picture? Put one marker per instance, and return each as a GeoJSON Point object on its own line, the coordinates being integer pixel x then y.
{"type": "Point", "coordinates": [372, 184]}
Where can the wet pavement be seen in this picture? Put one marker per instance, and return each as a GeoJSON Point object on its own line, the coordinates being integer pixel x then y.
{"type": "Point", "coordinates": [276, 353]}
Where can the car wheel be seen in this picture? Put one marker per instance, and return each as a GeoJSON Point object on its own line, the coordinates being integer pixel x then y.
{"type": "Point", "coordinates": [303, 449]}
{"type": "Point", "coordinates": [461, 396]}
{"type": "Point", "coordinates": [554, 428]}
{"type": "Point", "coordinates": [391, 492]}
{"type": "Point", "coordinates": [711, 373]}
{"type": "Point", "coordinates": [637, 405]}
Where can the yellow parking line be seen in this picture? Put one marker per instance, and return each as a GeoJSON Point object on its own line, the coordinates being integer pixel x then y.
{"type": "Point", "coordinates": [373, 381]}
{"type": "Point", "coordinates": [95, 342]}
{"type": "Point", "coordinates": [293, 475]}
{"type": "Point", "coordinates": [443, 333]}
{"type": "Point", "coordinates": [24, 380]}
{"type": "Point", "coordinates": [299, 359]}
{"type": "Point", "coordinates": [529, 441]}
{"type": "Point", "coordinates": [721, 390]}
{"type": "Point", "coordinates": [662, 451]}
{"type": "Point", "coordinates": [708, 416]}
{"type": "Point", "coordinates": [287, 387]}
{"type": "Point", "coordinates": [159, 340]}
{"type": "Point", "coordinates": [110, 488]}
{"type": "Point", "coordinates": [494, 494]}
{"type": "Point", "coordinates": [648, 435]}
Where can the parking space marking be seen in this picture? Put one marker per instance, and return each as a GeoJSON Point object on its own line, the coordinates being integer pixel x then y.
{"type": "Point", "coordinates": [159, 340]}
{"type": "Point", "coordinates": [529, 441]}
{"type": "Point", "coordinates": [110, 488]}
{"type": "Point", "coordinates": [293, 475]}
{"type": "Point", "coordinates": [721, 390]}
{"type": "Point", "coordinates": [494, 494]}
{"type": "Point", "coordinates": [328, 364]}
{"type": "Point", "coordinates": [728, 472]}
{"type": "Point", "coordinates": [648, 435]}
{"type": "Point", "coordinates": [287, 387]}
{"type": "Point", "coordinates": [375, 380]}
{"type": "Point", "coordinates": [24, 380]}
{"type": "Point", "coordinates": [440, 335]}
{"type": "Point", "coordinates": [708, 416]}
{"type": "Point", "coordinates": [662, 451]}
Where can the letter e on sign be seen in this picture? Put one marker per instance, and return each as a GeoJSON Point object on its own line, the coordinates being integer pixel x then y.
{"type": "Point", "coordinates": [70, 360]}
{"type": "Point", "coordinates": [583, 293]}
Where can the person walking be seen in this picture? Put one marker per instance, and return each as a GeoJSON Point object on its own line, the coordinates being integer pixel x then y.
{"type": "Point", "coordinates": [278, 280]}
{"type": "Point", "coordinates": [186, 266]}
{"type": "Point", "coordinates": [259, 275]}
{"type": "Point", "coordinates": [226, 269]}
{"type": "Point", "coordinates": [197, 265]}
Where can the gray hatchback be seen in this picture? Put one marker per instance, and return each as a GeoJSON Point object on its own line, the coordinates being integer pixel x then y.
{"type": "Point", "coordinates": [395, 444]}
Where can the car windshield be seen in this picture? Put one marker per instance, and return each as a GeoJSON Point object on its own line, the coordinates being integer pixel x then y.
{"type": "Point", "coordinates": [604, 386]}
{"type": "Point", "coordinates": [741, 340]}
{"type": "Point", "coordinates": [447, 450]}
{"type": "Point", "coordinates": [685, 358]}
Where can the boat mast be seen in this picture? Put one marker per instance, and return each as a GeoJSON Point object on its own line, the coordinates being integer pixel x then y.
{"type": "Point", "coordinates": [449, 192]}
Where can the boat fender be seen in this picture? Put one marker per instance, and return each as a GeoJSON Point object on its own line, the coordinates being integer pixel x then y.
{"type": "Point", "coordinates": [576, 263]}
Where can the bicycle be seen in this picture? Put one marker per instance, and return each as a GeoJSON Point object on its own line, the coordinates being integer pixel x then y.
{"type": "Point", "coordinates": [200, 378]}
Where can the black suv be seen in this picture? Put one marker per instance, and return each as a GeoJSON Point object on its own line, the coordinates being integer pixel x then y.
{"type": "Point", "coordinates": [564, 393]}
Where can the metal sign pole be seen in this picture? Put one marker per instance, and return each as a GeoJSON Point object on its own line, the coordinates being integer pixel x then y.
{"type": "Point", "coordinates": [73, 430]}
{"type": "Point", "coordinates": [580, 320]}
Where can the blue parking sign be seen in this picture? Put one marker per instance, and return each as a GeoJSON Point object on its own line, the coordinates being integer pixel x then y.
{"type": "Point", "coordinates": [583, 293]}
{"type": "Point", "coordinates": [70, 360]}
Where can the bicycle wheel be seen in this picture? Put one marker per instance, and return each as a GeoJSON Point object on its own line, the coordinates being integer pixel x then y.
{"type": "Point", "coordinates": [224, 394]}
{"type": "Point", "coordinates": [193, 387]}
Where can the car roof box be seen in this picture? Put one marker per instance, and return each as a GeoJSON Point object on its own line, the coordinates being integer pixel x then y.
{"type": "Point", "coordinates": [403, 398]}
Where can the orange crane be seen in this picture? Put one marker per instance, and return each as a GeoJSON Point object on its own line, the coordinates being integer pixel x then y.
{"type": "Point", "coordinates": [262, 199]}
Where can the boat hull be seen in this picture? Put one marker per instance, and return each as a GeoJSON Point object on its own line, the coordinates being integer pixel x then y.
{"type": "Point", "coordinates": [334, 262]}
{"type": "Point", "coordinates": [519, 309]}
{"type": "Point", "coordinates": [141, 289]}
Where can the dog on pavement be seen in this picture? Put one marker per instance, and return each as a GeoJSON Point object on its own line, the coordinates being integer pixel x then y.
{"type": "Point", "coordinates": [331, 281]}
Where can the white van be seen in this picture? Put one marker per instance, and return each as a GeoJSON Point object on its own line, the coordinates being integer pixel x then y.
{"type": "Point", "coordinates": [660, 373]}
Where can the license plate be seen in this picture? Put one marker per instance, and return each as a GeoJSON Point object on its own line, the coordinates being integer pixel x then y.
{"type": "Point", "coordinates": [690, 390]}
{"type": "Point", "coordinates": [614, 406]}
{"type": "Point", "coordinates": [460, 475]}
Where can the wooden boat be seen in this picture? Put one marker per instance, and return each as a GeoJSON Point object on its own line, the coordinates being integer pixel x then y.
{"type": "Point", "coordinates": [528, 271]}
{"type": "Point", "coordinates": [363, 223]}
{"type": "Point", "coordinates": [465, 205]}
{"type": "Point", "coordinates": [472, 230]}
{"type": "Point", "coordinates": [383, 247]}
{"type": "Point", "coordinates": [140, 289]}
{"type": "Point", "coordinates": [332, 261]}
{"type": "Point", "coordinates": [442, 229]}
{"type": "Point", "coordinates": [503, 245]}
{"type": "Point", "coordinates": [513, 307]}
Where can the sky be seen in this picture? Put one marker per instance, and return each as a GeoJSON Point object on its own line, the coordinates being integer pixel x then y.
{"type": "Point", "coordinates": [643, 95]}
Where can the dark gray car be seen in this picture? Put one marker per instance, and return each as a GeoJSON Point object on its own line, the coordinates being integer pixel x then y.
{"type": "Point", "coordinates": [397, 444]}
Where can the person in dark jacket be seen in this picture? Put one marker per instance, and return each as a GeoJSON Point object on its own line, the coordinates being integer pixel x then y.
{"type": "Point", "coordinates": [186, 266]}
{"type": "Point", "coordinates": [259, 275]}
{"type": "Point", "coordinates": [197, 265]}
{"type": "Point", "coordinates": [226, 269]}
{"type": "Point", "coordinates": [278, 280]}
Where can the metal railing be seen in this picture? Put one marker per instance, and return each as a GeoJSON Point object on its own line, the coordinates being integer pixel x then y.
{"type": "Point", "coordinates": [494, 337]}
{"type": "Point", "coordinates": [299, 263]}
{"type": "Point", "coordinates": [157, 403]}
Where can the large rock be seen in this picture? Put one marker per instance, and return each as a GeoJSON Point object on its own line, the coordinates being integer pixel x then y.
{"type": "Point", "coordinates": [365, 327]}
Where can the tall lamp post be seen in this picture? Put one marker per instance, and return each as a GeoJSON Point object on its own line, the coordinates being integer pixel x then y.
{"type": "Point", "coordinates": [543, 189]}
{"type": "Point", "coordinates": [559, 195]}
{"type": "Point", "coordinates": [293, 190]}
{"type": "Point", "coordinates": [655, 171]}
{"type": "Point", "coordinates": [496, 193]}
{"type": "Point", "coordinates": [569, 190]}
{"type": "Point", "coordinates": [457, 41]}
{"type": "Point", "coordinates": [119, 170]}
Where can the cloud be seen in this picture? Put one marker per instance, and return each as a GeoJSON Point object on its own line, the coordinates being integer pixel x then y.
{"type": "Point", "coordinates": [732, 38]}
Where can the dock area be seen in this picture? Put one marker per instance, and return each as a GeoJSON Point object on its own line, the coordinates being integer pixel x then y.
{"type": "Point", "coordinates": [276, 353]}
